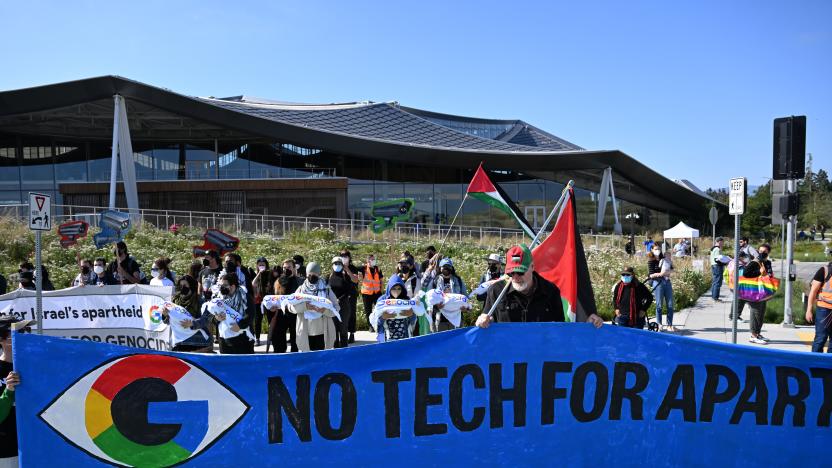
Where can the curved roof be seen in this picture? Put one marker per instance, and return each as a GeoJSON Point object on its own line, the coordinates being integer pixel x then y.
{"type": "Point", "coordinates": [360, 129]}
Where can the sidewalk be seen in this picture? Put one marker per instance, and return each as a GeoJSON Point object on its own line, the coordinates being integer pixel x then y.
{"type": "Point", "coordinates": [709, 320]}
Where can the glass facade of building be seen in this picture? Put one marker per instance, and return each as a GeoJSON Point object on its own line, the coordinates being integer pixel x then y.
{"type": "Point", "coordinates": [43, 164]}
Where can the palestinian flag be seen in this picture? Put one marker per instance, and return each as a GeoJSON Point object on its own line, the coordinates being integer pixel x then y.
{"type": "Point", "coordinates": [483, 189]}
{"type": "Point", "coordinates": [560, 259]}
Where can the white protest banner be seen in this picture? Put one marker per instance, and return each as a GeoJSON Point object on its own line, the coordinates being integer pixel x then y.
{"type": "Point", "coordinates": [124, 315]}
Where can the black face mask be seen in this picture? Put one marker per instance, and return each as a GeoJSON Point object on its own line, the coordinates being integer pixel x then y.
{"type": "Point", "coordinates": [185, 291]}
{"type": "Point", "coordinates": [225, 290]}
{"type": "Point", "coordinates": [206, 262]}
{"type": "Point", "coordinates": [85, 270]}
{"type": "Point", "coordinates": [230, 267]}
{"type": "Point", "coordinates": [287, 273]}
{"type": "Point", "coordinates": [312, 279]}
{"type": "Point", "coordinates": [404, 269]}
{"type": "Point", "coordinates": [446, 273]}
{"type": "Point", "coordinates": [763, 256]}
{"type": "Point", "coordinates": [492, 267]}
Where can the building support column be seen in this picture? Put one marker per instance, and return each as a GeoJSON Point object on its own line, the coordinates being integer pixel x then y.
{"type": "Point", "coordinates": [123, 151]}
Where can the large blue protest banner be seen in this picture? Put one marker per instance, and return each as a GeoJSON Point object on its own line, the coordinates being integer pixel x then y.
{"type": "Point", "coordinates": [530, 394]}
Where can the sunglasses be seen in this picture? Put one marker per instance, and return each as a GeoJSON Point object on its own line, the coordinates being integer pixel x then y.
{"type": "Point", "coordinates": [626, 274]}
{"type": "Point", "coordinates": [516, 273]}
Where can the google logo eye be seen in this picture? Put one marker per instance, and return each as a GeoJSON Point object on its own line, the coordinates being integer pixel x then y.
{"type": "Point", "coordinates": [145, 410]}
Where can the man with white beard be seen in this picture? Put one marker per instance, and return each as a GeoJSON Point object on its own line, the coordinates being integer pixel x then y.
{"type": "Point", "coordinates": [529, 298]}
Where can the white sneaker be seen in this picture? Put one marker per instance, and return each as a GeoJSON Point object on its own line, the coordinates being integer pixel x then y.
{"type": "Point", "coordinates": [763, 338]}
{"type": "Point", "coordinates": [757, 340]}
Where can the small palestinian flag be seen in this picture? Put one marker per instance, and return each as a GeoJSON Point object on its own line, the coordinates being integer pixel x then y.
{"type": "Point", "coordinates": [483, 189]}
{"type": "Point", "coordinates": [561, 259]}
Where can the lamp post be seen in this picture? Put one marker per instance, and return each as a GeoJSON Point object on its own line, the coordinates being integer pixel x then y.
{"type": "Point", "coordinates": [632, 217]}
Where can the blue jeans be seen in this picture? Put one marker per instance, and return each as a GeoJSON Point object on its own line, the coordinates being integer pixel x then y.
{"type": "Point", "coordinates": [664, 294]}
{"type": "Point", "coordinates": [624, 321]}
{"type": "Point", "coordinates": [716, 281]}
{"type": "Point", "coordinates": [823, 329]}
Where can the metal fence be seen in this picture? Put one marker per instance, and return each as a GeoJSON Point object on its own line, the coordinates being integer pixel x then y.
{"type": "Point", "coordinates": [281, 226]}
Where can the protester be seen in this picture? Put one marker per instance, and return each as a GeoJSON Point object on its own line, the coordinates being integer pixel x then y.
{"type": "Point", "coordinates": [354, 274]}
{"type": "Point", "coordinates": [279, 320]}
{"type": "Point", "coordinates": [300, 269]}
{"type": "Point", "coordinates": [820, 298]}
{"type": "Point", "coordinates": [232, 266]}
{"type": "Point", "coordinates": [405, 270]}
{"type": "Point", "coordinates": [86, 276]}
{"type": "Point", "coordinates": [746, 248]}
{"type": "Point", "coordinates": [754, 269]}
{"type": "Point", "coordinates": [188, 298]}
{"type": "Point", "coordinates": [529, 298]}
{"type": "Point", "coordinates": [341, 284]}
{"type": "Point", "coordinates": [3, 284]}
{"type": "Point", "coordinates": [26, 280]}
{"type": "Point", "coordinates": [261, 286]}
{"type": "Point", "coordinates": [409, 256]}
{"type": "Point", "coordinates": [371, 280]}
{"type": "Point", "coordinates": [659, 268]}
{"type": "Point", "coordinates": [649, 243]}
{"type": "Point", "coordinates": [631, 299]}
{"type": "Point", "coordinates": [430, 253]}
{"type": "Point", "coordinates": [446, 281]}
{"type": "Point", "coordinates": [494, 271]}
{"type": "Point", "coordinates": [316, 334]}
{"type": "Point", "coordinates": [718, 262]}
{"type": "Point", "coordinates": [99, 269]}
{"type": "Point", "coordinates": [160, 271]}
{"type": "Point", "coordinates": [8, 417]}
{"type": "Point", "coordinates": [194, 270]}
{"type": "Point", "coordinates": [391, 327]}
{"type": "Point", "coordinates": [234, 296]}
{"type": "Point", "coordinates": [209, 275]}
{"type": "Point", "coordinates": [823, 232]}
{"type": "Point", "coordinates": [124, 269]}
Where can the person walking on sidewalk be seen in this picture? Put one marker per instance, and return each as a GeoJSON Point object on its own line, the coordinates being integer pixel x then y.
{"type": "Point", "coordinates": [754, 269]}
{"type": "Point", "coordinates": [718, 262]}
{"type": "Point", "coordinates": [659, 268]}
{"type": "Point", "coordinates": [820, 297]}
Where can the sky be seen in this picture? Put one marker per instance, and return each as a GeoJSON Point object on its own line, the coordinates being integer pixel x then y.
{"type": "Point", "coordinates": [688, 88]}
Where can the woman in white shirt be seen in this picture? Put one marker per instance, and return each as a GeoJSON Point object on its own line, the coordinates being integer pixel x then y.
{"type": "Point", "coordinates": [161, 273]}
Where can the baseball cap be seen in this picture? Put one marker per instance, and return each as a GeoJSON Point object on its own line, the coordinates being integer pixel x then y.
{"type": "Point", "coordinates": [719, 239]}
{"type": "Point", "coordinates": [518, 259]}
{"type": "Point", "coordinates": [337, 260]}
{"type": "Point", "coordinates": [495, 258]}
{"type": "Point", "coordinates": [628, 271]}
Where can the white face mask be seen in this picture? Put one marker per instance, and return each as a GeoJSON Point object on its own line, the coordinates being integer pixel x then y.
{"type": "Point", "coordinates": [657, 252]}
{"type": "Point", "coordinates": [372, 263]}
{"type": "Point", "coordinates": [98, 269]}
{"type": "Point", "coordinates": [337, 268]}
{"type": "Point", "coordinates": [156, 273]}
{"type": "Point", "coordinates": [261, 267]}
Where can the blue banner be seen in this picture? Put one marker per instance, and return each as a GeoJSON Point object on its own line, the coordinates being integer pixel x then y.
{"type": "Point", "coordinates": [530, 394]}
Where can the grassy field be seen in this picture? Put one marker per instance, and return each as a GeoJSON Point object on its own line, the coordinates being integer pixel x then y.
{"type": "Point", "coordinates": [774, 308]}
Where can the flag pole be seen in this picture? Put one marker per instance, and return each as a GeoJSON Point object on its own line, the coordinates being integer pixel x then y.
{"type": "Point", "coordinates": [536, 239]}
{"type": "Point", "coordinates": [453, 221]}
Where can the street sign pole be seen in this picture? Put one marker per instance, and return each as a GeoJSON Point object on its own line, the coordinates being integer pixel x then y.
{"type": "Point", "coordinates": [38, 285]}
{"type": "Point", "coordinates": [737, 197]}
{"type": "Point", "coordinates": [788, 319]}
{"type": "Point", "coordinates": [40, 219]}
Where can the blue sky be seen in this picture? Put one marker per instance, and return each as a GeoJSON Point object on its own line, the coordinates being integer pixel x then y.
{"type": "Point", "coordinates": [689, 88]}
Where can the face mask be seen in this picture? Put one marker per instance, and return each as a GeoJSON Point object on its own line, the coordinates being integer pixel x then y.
{"type": "Point", "coordinates": [225, 290]}
{"type": "Point", "coordinates": [98, 269]}
{"type": "Point", "coordinates": [395, 292]}
{"type": "Point", "coordinates": [85, 270]}
{"type": "Point", "coordinates": [404, 269]}
{"type": "Point", "coordinates": [230, 267]}
{"type": "Point", "coordinates": [345, 260]}
{"type": "Point", "coordinates": [626, 279]}
{"type": "Point", "coordinates": [657, 252]}
{"type": "Point", "coordinates": [155, 273]}
{"type": "Point", "coordinates": [206, 262]}
{"type": "Point", "coordinates": [287, 272]}
{"type": "Point", "coordinates": [337, 268]}
{"type": "Point", "coordinates": [312, 279]}
{"type": "Point", "coordinates": [372, 263]}
{"type": "Point", "coordinates": [261, 267]}
{"type": "Point", "coordinates": [492, 267]}
{"type": "Point", "coordinates": [185, 291]}
{"type": "Point", "coordinates": [763, 256]}
{"type": "Point", "coordinates": [446, 273]}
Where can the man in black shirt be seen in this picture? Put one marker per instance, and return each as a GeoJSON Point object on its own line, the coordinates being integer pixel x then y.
{"type": "Point", "coordinates": [342, 285]}
{"type": "Point", "coordinates": [10, 379]}
{"type": "Point", "coordinates": [529, 298]}
{"type": "Point", "coordinates": [124, 269]}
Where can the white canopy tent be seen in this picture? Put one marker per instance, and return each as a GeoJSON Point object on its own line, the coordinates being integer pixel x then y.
{"type": "Point", "coordinates": [681, 231]}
